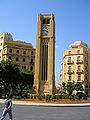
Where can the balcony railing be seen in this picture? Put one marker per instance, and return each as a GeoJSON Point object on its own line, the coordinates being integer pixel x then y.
{"type": "Point", "coordinates": [79, 72]}
{"type": "Point", "coordinates": [70, 62]}
{"type": "Point", "coordinates": [70, 81]}
{"type": "Point", "coordinates": [70, 72]}
{"type": "Point", "coordinates": [79, 81]}
{"type": "Point", "coordinates": [79, 61]}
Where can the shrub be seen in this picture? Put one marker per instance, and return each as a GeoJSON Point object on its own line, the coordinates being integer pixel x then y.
{"type": "Point", "coordinates": [31, 96]}
{"type": "Point", "coordinates": [76, 97]}
{"type": "Point", "coordinates": [66, 96]}
{"type": "Point", "coordinates": [17, 97]}
{"type": "Point", "coordinates": [58, 96]}
{"type": "Point", "coordinates": [42, 96]}
{"type": "Point", "coordinates": [48, 98]}
{"type": "Point", "coordinates": [71, 97]}
{"type": "Point", "coordinates": [52, 97]}
{"type": "Point", "coordinates": [25, 95]}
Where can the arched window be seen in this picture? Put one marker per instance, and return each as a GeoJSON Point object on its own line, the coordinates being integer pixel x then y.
{"type": "Point", "coordinates": [23, 59]}
{"type": "Point", "coordinates": [17, 51]}
{"type": "Point", "coordinates": [10, 50]}
{"type": "Point", "coordinates": [24, 52]}
{"type": "Point", "coordinates": [31, 68]}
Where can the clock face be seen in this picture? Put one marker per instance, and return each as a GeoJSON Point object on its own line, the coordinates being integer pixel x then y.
{"type": "Point", "coordinates": [45, 30]}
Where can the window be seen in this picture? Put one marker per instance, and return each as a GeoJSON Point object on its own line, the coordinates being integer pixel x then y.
{"type": "Point", "coordinates": [78, 51]}
{"type": "Point", "coordinates": [17, 51]}
{"type": "Point", "coordinates": [0, 51]}
{"type": "Point", "coordinates": [24, 52]}
{"type": "Point", "coordinates": [86, 86]}
{"type": "Point", "coordinates": [48, 21]}
{"type": "Point", "coordinates": [43, 21]}
{"type": "Point", "coordinates": [31, 60]}
{"type": "Point", "coordinates": [78, 58]}
{"type": "Point", "coordinates": [69, 52]}
{"type": "Point", "coordinates": [69, 68]}
{"type": "Point", "coordinates": [32, 53]}
{"type": "Point", "coordinates": [24, 67]}
{"type": "Point", "coordinates": [10, 50]}
{"type": "Point", "coordinates": [69, 78]}
{"type": "Point", "coordinates": [79, 67]}
{"type": "Point", "coordinates": [31, 68]}
{"type": "Point", "coordinates": [69, 59]}
{"type": "Point", "coordinates": [86, 77]}
{"type": "Point", "coordinates": [17, 59]}
{"type": "Point", "coordinates": [23, 59]}
{"type": "Point", "coordinates": [79, 77]}
{"type": "Point", "coordinates": [10, 58]}
{"type": "Point", "coordinates": [2, 37]}
{"type": "Point", "coordinates": [1, 44]}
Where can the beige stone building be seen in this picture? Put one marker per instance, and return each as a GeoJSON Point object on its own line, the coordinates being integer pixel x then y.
{"type": "Point", "coordinates": [44, 79]}
{"type": "Point", "coordinates": [75, 65]}
{"type": "Point", "coordinates": [18, 51]}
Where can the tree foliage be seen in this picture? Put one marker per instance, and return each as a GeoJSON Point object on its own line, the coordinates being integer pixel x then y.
{"type": "Point", "coordinates": [9, 72]}
{"type": "Point", "coordinates": [69, 88]}
{"type": "Point", "coordinates": [12, 79]}
{"type": "Point", "coordinates": [78, 87]}
{"type": "Point", "coordinates": [25, 81]}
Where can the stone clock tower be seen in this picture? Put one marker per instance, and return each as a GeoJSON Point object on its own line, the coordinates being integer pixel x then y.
{"type": "Point", "coordinates": [44, 79]}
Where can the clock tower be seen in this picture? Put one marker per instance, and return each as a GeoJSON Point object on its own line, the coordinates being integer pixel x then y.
{"type": "Point", "coordinates": [44, 79]}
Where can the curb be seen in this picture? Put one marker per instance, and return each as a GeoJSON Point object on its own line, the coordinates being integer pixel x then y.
{"type": "Point", "coordinates": [47, 104]}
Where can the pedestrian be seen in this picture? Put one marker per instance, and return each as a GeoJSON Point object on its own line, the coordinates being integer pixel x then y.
{"type": "Point", "coordinates": [7, 107]}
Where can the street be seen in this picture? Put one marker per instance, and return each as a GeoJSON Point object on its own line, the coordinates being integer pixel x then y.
{"type": "Point", "coordinates": [23, 112]}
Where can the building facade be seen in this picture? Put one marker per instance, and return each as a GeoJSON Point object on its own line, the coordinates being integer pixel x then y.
{"type": "Point", "coordinates": [44, 79]}
{"type": "Point", "coordinates": [75, 65]}
{"type": "Point", "coordinates": [18, 51]}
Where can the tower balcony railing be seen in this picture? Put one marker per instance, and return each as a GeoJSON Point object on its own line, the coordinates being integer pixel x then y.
{"type": "Point", "coordinates": [79, 71]}
{"type": "Point", "coordinates": [70, 72]}
{"type": "Point", "coordinates": [79, 61]}
{"type": "Point", "coordinates": [70, 62]}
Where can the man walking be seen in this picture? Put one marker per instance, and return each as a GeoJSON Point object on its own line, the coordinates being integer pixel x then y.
{"type": "Point", "coordinates": [7, 107]}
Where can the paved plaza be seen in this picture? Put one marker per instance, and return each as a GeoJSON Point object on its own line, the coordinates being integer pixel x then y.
{"type": "Point", "coordinates": [27, 112]}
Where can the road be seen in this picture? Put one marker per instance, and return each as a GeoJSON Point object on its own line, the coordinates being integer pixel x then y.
{"type": "Point", "coordinates": [23, 112]}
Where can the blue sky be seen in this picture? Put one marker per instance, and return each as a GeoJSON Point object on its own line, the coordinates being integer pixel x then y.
{"type": "Point", "coordinates": [72, 21]}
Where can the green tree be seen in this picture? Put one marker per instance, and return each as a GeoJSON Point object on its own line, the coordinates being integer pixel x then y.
{"type": "Point", "coordinates": [78, 87]}
{"type": "Point", "coordinates": [25, 81]}
{"type": "Point", "coordinates": [9, 72]}
{"type": "Point", "coordinates": [69, 87]}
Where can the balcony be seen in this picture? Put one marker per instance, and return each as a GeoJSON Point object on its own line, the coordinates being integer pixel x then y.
{"type": "Point", "coordinates": [79, 81]}
{"type": "Point", "coordinates": [79, 62]}
{"type": "Point", "coordinates": [70, 62]}
{"type": "Point", "coordinates": [70, 72]}
{"type": "Point", "coordinates": [70, 81]}
{"type": "Point", "coordinates": [80, 72]}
